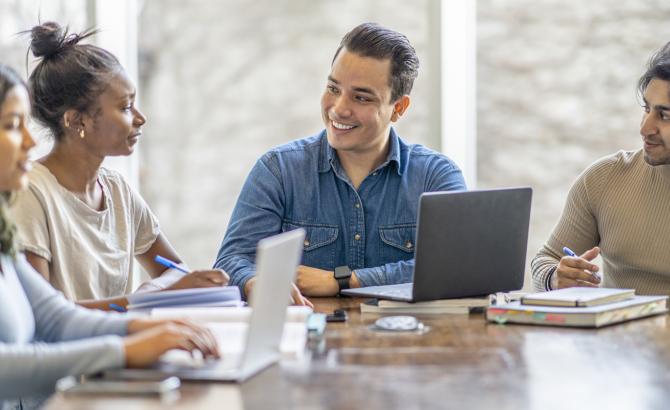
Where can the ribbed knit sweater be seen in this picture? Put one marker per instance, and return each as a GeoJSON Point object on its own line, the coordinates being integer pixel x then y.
{"type": "Point", "coordinates": [621, 204]}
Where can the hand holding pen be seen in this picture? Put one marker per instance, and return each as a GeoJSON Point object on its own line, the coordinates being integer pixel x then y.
{"type": "Point", "coordinates": [573, 270]}
{"type": "Point", "coordinates": [194, 279]}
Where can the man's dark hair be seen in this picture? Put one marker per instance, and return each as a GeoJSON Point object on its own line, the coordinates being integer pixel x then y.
{"type": "Point", "coordinates": [658, 67]}
{"type": "Point", "coordinates": [373, 40]}
{"type": "Point", "coordinates": [69, 76]}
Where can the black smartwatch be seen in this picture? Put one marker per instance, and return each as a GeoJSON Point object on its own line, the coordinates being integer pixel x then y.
{"type": "Point", "coordinates": [342, 275]}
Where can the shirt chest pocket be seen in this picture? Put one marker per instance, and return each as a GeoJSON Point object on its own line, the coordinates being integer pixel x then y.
{"type": "Point", "coordinates": [397, 242]}
{"type": "Point", "coordinates": [320, 243]}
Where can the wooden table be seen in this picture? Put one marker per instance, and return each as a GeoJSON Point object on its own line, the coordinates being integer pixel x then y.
{"type": "Point", "coordinates": [461, 362]}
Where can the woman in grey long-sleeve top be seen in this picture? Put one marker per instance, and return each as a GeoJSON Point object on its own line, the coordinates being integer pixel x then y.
{"type": "Point", "coordinates": [30, 309]}
{"type": "Point", "coordinates": [43, 336]}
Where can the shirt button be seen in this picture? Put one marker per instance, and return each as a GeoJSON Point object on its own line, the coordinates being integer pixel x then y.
{"type": "Point", "coordinates": [357, 205]}
{"type": "Point", "coordinates": [357, 237]}
{"type": "Point", "coordinates": [374, 174]}
{"type": "Point", "coordinates": [409, 245]}
{"type": "Point", "coordinates": [306, 242]}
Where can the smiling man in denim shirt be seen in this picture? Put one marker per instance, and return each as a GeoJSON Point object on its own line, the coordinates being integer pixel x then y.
{"type": "Point", "coordinates": [354, 187]}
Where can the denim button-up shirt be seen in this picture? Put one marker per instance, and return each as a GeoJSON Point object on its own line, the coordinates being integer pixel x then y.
{"type": "Point", "coordinates": [372, 230]}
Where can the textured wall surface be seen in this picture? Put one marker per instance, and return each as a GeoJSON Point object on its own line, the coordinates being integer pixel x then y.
{"type": "Point", "coordinates": [223, 81]}
{"type": "Point", "coordinates": [557, 90]}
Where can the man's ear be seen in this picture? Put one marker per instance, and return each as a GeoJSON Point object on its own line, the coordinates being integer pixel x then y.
{"type": "Point", "coordinates": [399, 107]}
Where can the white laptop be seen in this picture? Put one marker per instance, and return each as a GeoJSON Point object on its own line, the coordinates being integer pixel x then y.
{"type": "Point", "coordinates": [277, 260]}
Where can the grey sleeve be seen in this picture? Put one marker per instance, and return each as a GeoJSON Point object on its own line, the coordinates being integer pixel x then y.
{"type": "Point", "coordinates": [58, 319]}
{"type": "Point", "coordinates": [31, 369]}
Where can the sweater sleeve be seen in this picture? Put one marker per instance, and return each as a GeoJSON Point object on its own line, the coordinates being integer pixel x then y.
{"type": "Point", "coordinates": [577, 227]}
{"type": "Point", "coordinates": [58, 319]}
{"type": "Point", "coordinates": [32, 368]}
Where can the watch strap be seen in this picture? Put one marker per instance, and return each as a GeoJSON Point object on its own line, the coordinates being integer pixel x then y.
{"type": "Point", "coordinates": [342, 275]}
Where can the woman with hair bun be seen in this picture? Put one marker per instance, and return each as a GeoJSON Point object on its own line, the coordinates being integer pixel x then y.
{"type": "Point", "coordinates": [81, 225]}
{"type": "Point", "coordinates": [43, 336]}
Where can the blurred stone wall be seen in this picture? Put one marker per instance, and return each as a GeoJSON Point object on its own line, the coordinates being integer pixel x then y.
{"type": "Point", "coordinates": [223, 81]}
{"type": "Point", "coordinates": [557, 90]}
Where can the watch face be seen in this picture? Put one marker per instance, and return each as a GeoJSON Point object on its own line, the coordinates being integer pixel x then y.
{"type": "Point", "coordinates": [342, 272]}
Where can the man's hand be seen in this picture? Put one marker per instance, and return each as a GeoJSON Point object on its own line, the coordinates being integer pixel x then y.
{"type": "Point", "coordinates": [316, 282]}
{"type": "Point", "coordinates": [577, 271]}
{"type": "Point", "coordinates": [201, 279]}
{"type": "Point", "coordinates": [296, 297]}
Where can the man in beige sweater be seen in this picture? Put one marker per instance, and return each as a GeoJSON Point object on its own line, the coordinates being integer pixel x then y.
{"type": "Point", "coordinates": [619, 207]}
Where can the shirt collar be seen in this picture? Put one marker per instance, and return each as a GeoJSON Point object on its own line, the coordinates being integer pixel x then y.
{"type": "Point", "coordinates": [328, 155]}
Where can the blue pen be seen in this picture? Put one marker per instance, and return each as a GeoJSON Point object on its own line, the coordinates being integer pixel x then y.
{"type": "Point", "coordinates": [168, 263]}
{"type": "Point", "coordinates": [116, 307]}
{"type": "Point", "coordinates": [569, 252]}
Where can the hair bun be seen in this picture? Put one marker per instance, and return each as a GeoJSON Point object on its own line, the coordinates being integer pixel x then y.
{"type": "Point", "coordinates": [50, 38]}
{"type": "Point", "coordinates": [47, 39]}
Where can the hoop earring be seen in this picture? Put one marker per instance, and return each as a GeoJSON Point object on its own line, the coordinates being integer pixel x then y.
{"type": "Point", "coordinates": [82, 134]}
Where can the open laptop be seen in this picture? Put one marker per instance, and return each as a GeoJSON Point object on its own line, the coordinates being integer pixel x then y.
{"type": "Point", "coordinates": [468, 243]}
{"type": "Point", "coordinates": [277, 260]}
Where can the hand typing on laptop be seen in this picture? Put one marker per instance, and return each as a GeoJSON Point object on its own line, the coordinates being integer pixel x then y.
{"type": "Point", "coordinates": [150, 339]}
{"type": "Point", "coordinates": [201, 279]}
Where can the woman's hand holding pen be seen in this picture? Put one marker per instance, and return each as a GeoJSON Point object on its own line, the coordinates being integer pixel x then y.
{"type": "Point", "coordinates": [194, 279]}
{"type": "Point", "coordinates": [201, 279]}
{"type": "Point", "coordinates": [573, 270]}
{"type": "Point", "coordinates": [150, 339]}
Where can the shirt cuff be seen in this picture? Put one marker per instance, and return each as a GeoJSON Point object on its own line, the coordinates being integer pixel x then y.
{"type": "Point", "coordinates": [550, 275]}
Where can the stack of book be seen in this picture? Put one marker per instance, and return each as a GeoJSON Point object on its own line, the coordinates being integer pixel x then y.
{"type": "Point", "coordinates": [578, 307]}
{"type": "Point", "coordinates": [444, 306]}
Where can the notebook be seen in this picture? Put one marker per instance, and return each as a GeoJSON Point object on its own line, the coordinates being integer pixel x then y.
{"type": "Point", "coordinates": [277, 260]}
{"type": "Point", "coordinates": [592, 316]}
{"type": "Point", "coordinates": [468, 243]}
{"type": "Point", "coordinates": [577, 296]}
{"type": "Point", "coordinates": [216, 296]}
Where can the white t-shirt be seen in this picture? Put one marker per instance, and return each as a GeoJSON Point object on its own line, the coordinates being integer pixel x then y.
{"type": "Point", "coordinates": [90, 253]}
